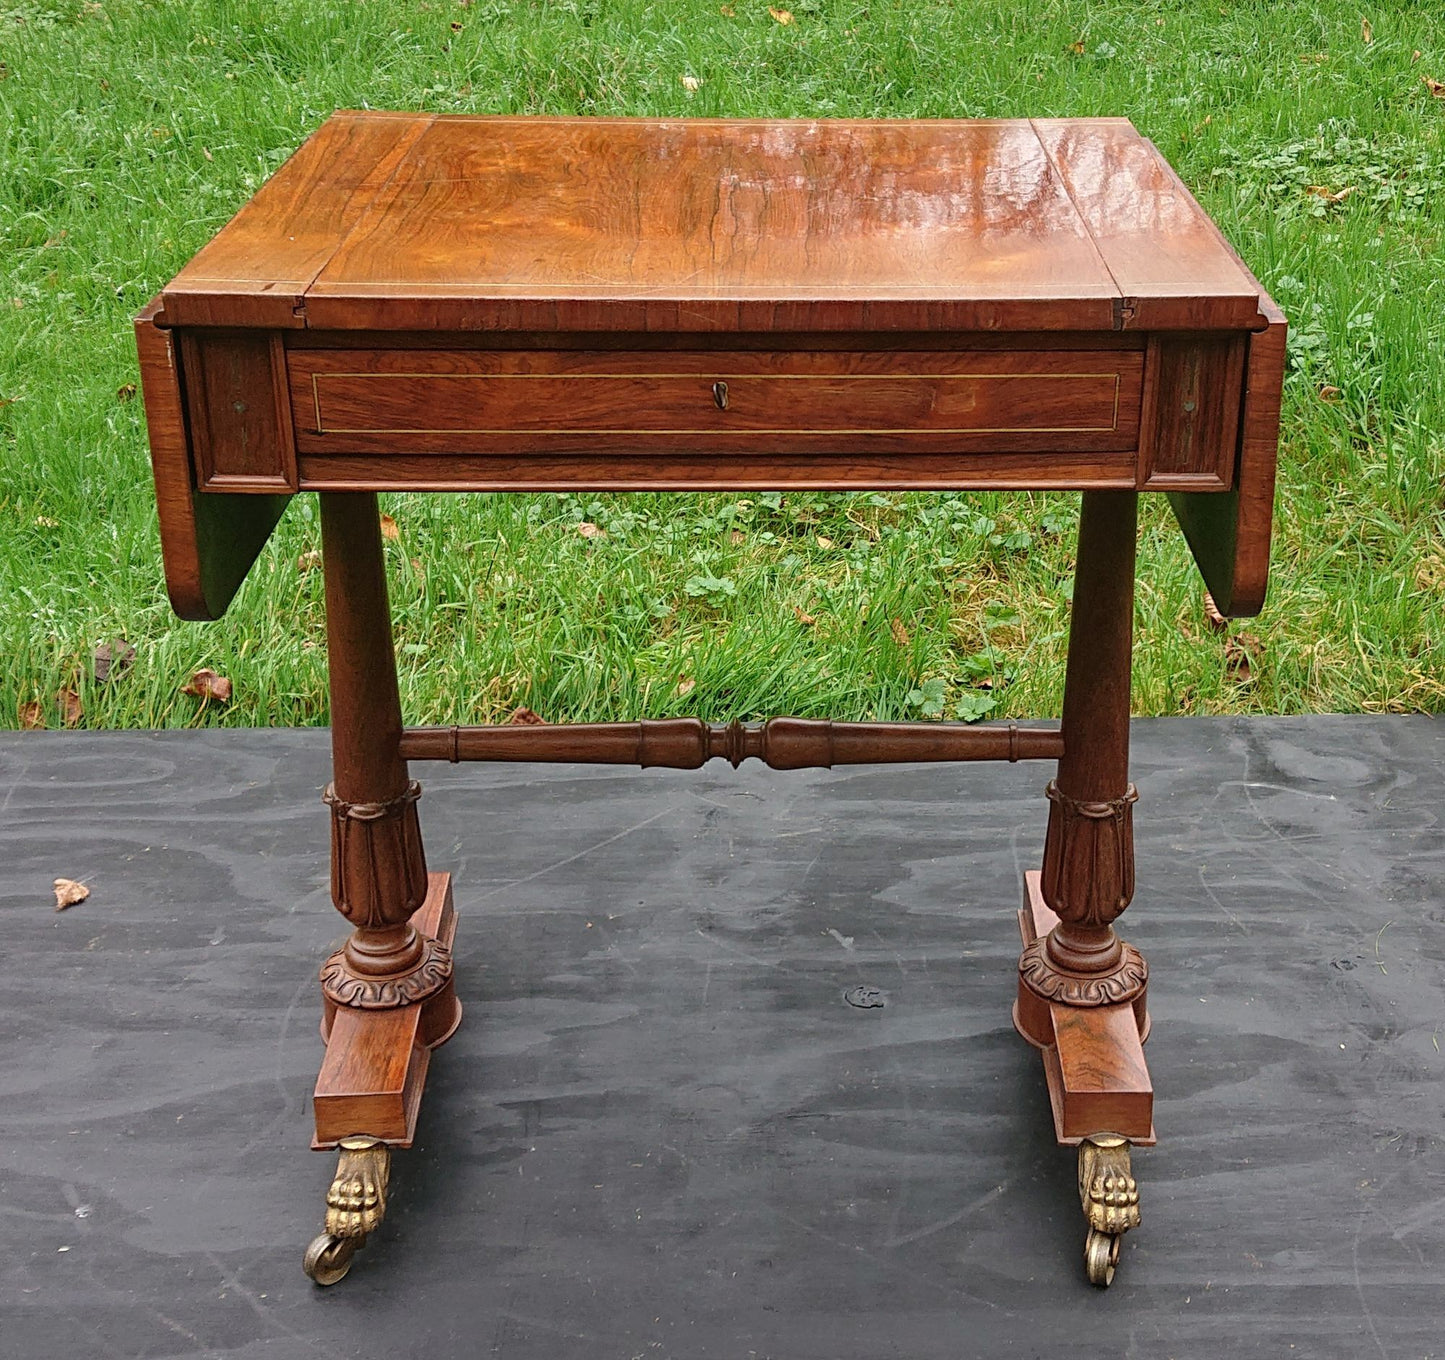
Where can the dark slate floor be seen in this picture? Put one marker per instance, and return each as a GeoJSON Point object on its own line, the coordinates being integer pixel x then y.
{"type": "Point", "coordinates": [661, 1131]}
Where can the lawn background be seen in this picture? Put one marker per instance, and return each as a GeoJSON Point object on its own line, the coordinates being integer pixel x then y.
{"type": "Point", "coordinates": [129, 132]}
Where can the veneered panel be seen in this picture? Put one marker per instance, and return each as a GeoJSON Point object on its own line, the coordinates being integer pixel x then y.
{"type": "Point", "coordinates": [481, 402]}
{"type": "Point", "coordinates": [538, 223]}
{"type": "Point", "coordinates": [256, 269]}
{"type": "Point", "coordinates": [1172, 268]}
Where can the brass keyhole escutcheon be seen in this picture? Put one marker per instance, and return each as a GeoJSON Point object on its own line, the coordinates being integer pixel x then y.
{"type": "Point", "coordinates": [720, 395]}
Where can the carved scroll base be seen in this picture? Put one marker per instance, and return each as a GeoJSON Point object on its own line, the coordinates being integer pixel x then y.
{"type": "Point", "coordinates": [341, 986]}
{"type": "Point", "coordinates": [1042, 976]}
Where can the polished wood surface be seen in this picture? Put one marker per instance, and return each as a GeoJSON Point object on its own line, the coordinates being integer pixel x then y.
{"type": "Point", "coordinates": [507, 304]}
{"type": "Point", "coordinates": [389, 222]}
{"type": "Point", "coordinates": [484, 304]}
{"type": "Point", "coordinates": [479, 401]}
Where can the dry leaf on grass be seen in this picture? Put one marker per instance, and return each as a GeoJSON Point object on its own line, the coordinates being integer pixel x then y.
{"type": "Point", "coordinates": [1329, 393]}
{"type": "Point", "coordinates": [309, 560]}
{"type": "Point", "coordinates": [68, 892]}
{"type": "Point", "coordinates": [388, 528]}
{"type": "Point", "coordinates": [71, 709]}
{"type": "Point", "coordinates": [1367, 31]}
{"type": "Point", "coordinates": [32, 715]}
{"type": "Point", "coordinates": [1215, 619]}
{"type": "Point", "coordinates": [783, 16]}
{"type": "Point", "coordinates": [125, 391]}
{"type": "Point", "coordinates": [111, 658]}
{"type": "Point", "coordinates": [589, 530]}
{"type": "Point", "coordinates": [685, 684]}
{"type": "Point", "coordinates": [524, 717]}
{"type": "Point", "coordinates": [727, 11]}
{"type": "Point", "coordinates": [690, 83]}
{"type": "Point", "coordinates": [1331, 195]}
{"type": "Point", "coordinates": [824, 542]}
{"type": "Point", "coordinates": [1077, 48]}
{"type": "Point", "coordinates": [1437, 88]}
{"type": "Point", "coordinates": [206, 685]}
{"type": "Point", "coordinates": [900, 633]}
{"type": "Point", "coordinates": [1240, 654]}
{"type": "Point", "coordinates": [803, 617]}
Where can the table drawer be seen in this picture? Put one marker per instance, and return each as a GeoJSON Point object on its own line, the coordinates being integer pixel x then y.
{"type": "Point", "coordinates": [669, 402]}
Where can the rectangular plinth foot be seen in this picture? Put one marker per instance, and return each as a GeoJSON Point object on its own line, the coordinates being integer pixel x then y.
{"type": "Point", "coordinates": [1098, 1080]}
{"type": "Point", "coordinates": [376, 1060]}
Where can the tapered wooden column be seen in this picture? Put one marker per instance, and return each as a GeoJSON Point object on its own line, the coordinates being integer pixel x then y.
{"type": "Point", "coordinates": [378, 867]}
{"type": "Point", "coordinates": [1088, 868]}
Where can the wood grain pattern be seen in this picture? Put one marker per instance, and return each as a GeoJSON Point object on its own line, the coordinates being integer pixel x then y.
{"type": "Point", "coordinates": [374, 1072]}
{"type": "Point", "coordinates": [1189, 428]}
{"type": "Point", "coordinates": [1170, 266]}
{"type": "Point", "coordinates": [716, 472]}
{"type": "Point", "coordinates": [208, 542]}
{"type": "Point", "coordinates": [240, 416]}
{"type": "Point", "coordinates": [563, 224]}
{"type": "Point", "coordinates": [483, 402]}
{"type": "Point", "coordinates": [1229, 534]}
{"type": "Point", "coordinates": [256, 270]}
{"type": "Point", "coordinates": [1097, 1076]}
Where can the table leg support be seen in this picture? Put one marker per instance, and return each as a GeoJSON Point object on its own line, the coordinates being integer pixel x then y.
{"type": "Point", "coordinates": [1082, 991]}
{"type": "Point", "coordinates": [387, 995]}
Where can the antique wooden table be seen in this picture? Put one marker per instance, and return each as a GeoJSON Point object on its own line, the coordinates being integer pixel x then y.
{"type": "Point", "coordinates": [511, 304]}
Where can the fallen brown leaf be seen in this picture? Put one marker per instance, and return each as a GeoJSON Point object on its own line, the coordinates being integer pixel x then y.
{"type": "Point", "coordinates": [71, 709]}
{"type": "Point", "coordinates": [1367, 31]}
{"type": "Point", "coordinates": [690, 83]}
{"type": "Point", "coordinates": [389, 529]}
{"type": "Point", "coordinates": [803, 617]}
{"type": "Point", "coordinates": [824, 542]}
{"type": "Point", "coordinates": [309, 560]}
{"type": "Point", "coordinates": [1077, 48]}
{"type": "Point", "coordinates": [1437, 88]}
{"type": "Point", "coordinates": [32, 715]}
{"type": "Point", "coordinates": [111, 658]}
{"type": "Point", "coordinates": [727, 11]}
{"type": "Point", "coordinates": [1329, 393]}
{"type": "Point", "coordinates": [68, 892]}
{"type": "Point", "coordinates": [783, 16]}
{"type": "Point", "coordinates": [1213, 617]}
{"type": "Point", "coordinates": [206, 685]}
{"type": "Point", "coordinates": [524, 717]}
{"type": "Point", "coordinates": [589, 530]}
{"type": "Point", "coordinates": [685, 684]}
{"type": "Point", "coordinates": [1240, 653]}
{"type": "Point", "coordinates": [125, 391]}
{"type": "Point", "coordinates": [1415, 56]}
{"type": "Point", "coordinates": [900, 633]}
{"type": "Point", "coordinates": [1329, 195]}
{"type": "Point", "coordinates": [206, 152]}
{"type": "Point", "coordinates": [737, 537]}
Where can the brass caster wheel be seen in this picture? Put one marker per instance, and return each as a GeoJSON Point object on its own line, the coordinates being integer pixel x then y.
{"type": "Point", "coordinates": [1109, 1197]}
{"type": "Point", "coordinates": [1101, 1257]}
{"type": "Point", "coordinates": [328, 1258]}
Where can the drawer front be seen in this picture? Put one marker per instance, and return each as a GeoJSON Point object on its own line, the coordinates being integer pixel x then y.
{"type": "Point", "coordinates": [669, 402]}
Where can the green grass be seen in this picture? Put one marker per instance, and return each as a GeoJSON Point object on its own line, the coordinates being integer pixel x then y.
{"type": "Point", "coordinates": [130, 131]}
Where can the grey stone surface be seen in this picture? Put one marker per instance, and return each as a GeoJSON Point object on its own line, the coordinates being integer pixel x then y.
{"type": "Point", "coordinates": [662, 1131]}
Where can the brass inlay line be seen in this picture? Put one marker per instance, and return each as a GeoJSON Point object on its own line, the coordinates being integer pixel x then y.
{"type": "Point", "coordinates": [322, 429]}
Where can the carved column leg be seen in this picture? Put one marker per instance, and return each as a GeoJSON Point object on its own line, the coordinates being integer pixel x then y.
{"type": "Point", "coordinates": [378, 867]}
{"type": "Point", "coordinates": [387, 993]}
{"type": "Point", "coordinates": [1082, 990]}
{"type": "Point", "coordinates": [1088, 869]}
